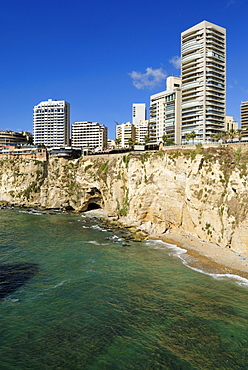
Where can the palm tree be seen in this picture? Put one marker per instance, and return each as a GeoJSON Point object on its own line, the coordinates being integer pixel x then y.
{"type": "Point", "coordinates": [224, 136]}
{"type": "Point", "coordinates": [231, 134]}
{"type": "Point", "coordinates": [239, 133]}
{"type": "Point", "coordinates": [214, 137]}
{"type": "Point", "coordinates": [130, 142]}
{"type": "Point", "coordinates": [193, 135]}
{"type": "Point", "coordinates": [218, 136]}
{"type": "Point", "coordinates": [146, 139]}
{"type": "Point", "coordinates": [164, 138]}
{"type": "Point", "coordinates": [117, 142]}
{"type": "Point", "coordinates": [187, 137]}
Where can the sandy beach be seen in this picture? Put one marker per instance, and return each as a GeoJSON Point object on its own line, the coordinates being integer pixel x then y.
{"type": "Point", "coordinates": [207, 256]}
{"type": "Point", "coordinates": [201, 254]}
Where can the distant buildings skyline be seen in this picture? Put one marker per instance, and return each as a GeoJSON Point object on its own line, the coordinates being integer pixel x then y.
{"type": "Point", "coordinates": [196, 101]}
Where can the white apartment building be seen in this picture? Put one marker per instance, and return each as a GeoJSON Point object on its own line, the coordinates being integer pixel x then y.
{"type": "Point", "coordinates": [51, 123]}
{"type": "Point", "coordinates": [141, 131]}
{"type": "Point", "coordinates": [125, 132]}
{"type": "Point", "coordinates": [203, 63]}
{"type": "Point", "coordinates": [91, 135]}
{"type": "Point", "coordinates": [165, 112]}
{"type": "Point", "coordinates": [138, 113]}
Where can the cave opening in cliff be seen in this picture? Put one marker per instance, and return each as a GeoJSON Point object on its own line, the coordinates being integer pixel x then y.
{"type": "Point", "coordinates": [92, 206]}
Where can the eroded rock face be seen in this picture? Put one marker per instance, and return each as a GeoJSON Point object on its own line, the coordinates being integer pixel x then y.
{"type": "Point", "coordinates": [203, 192]}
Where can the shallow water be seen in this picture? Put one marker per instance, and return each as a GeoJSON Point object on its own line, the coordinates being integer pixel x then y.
{"type": "Point", "coordinates": [97, 304]}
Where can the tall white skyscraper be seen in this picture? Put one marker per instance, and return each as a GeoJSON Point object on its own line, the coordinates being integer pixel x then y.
{"type": "Point", "coordinates": [51, 123]}
{"type": "Point", "coordinates": [138, 113]}
{"type": "Point", "coordinates": [203, 58]}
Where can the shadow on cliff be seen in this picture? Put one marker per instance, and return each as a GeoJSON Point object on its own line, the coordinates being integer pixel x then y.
{"type": "Point", "coordinates": [13, 276]}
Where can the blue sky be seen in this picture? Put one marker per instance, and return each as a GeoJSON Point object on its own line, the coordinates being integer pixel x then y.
{"type": "Point", "coordinates": [86, 52]}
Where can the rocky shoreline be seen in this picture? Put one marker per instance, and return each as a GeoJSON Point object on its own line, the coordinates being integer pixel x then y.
{"type": "Point", "coordinates": [203, 255]}
{"type": "Point", "coordinates": [200, 254]}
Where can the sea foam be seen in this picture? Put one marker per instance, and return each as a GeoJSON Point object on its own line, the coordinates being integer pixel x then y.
{"type": "Point", "coordinates": [179, 252]}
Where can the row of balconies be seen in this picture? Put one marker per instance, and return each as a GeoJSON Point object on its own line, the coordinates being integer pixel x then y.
{"type": "Point", "coordinates": [192, 65]}
{"type": "Point", "coordinates": [218, 94]}
{"type": "Point", "coordinates": [192, 50]}
{"type": "Point", "coordinates": [191, 57]}
{"type": "Point", "coordinates": [216, 38]}
{"type": "Point", "coordinates": [217, 44]}
{"type": "Point", "coordinates": [192, 36]}
{"type": "Point", "coordinates": [216, 48]}
{"type": "Point", "coordinates": [191, 44]}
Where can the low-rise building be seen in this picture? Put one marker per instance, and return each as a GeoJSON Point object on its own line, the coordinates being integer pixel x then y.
{"type": "Point", "coordinates": [65, 152]}
{"type": "Point", "coordinates": [15, 138]}
{"type": "Point", "coordinates": [230, 124]}
{"type": "Point", "coordinates": [25, 151]}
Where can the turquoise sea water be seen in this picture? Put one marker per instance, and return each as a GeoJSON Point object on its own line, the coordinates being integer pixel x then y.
{"type": "Point", "coordinates": [96, 303]}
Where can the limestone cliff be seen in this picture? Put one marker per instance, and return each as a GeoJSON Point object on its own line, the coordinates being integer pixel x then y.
{"type": "Point", "coordinates": [203, 192]}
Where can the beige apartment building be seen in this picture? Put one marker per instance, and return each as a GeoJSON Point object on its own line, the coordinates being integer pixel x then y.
{"type": "Point", "coordinates": [244, 115]}
{"type": "Point", "coordinates": [125, 132]}
{"type": "Point", "coordinates": [15, 138]}
{"type": "Point", "coordinates": [165, 112]}
{"type": "Point", "coordinates": [91, 135]}
{"type": "Point", "coordinates": [230, 124]}
{"type": "Point", "coordinates": [203, 71]}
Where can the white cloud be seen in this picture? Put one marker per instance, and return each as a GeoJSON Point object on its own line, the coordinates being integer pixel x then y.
{"type": "Point", "coordinates": [150, 79]}
{"type": "Point", "coordinates": [231, 3]}
{"type": "Point", "coordinates": [176, 62]}
{"type": "Point", "coordinates": [236, 85]}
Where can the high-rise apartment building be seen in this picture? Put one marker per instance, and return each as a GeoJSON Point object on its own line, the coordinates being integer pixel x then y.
{"type": "Point", "coordinates": [165, 112]}
{"type": "Point", "coordinates": [244, 115]}
{"type": "Point", "coordinates": [90, 135]}
{"type": "Point", "coordinates": [138, 113]}
{"type": "Point", "coordinates": [203, 62]}
{"type": "Point", "coordinates": [51, 123]}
